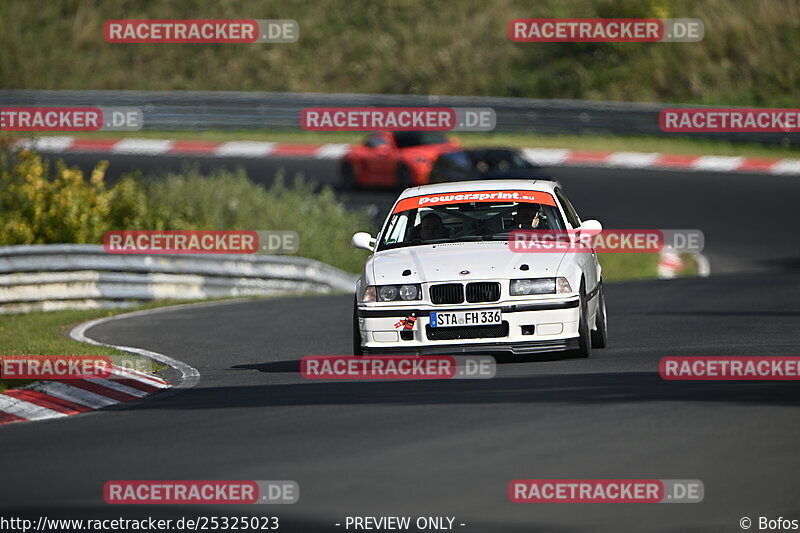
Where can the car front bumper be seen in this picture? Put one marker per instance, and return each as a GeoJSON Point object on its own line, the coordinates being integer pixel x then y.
{"type": "Point", "coordinates": [533, 326]}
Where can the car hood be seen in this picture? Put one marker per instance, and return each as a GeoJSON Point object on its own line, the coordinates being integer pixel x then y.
{"type": "Point", "coordinates": [446, 262]}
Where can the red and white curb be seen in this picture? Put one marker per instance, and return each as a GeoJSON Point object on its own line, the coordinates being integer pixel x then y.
{"type": "Point", "coordinates": [239, 149]}
{"type": "Point", "coordinates": [56, 399]}
{"type": "Point", "coordinates": [541, 156]}
{"type": "Point", "coordinates": [706, 163]}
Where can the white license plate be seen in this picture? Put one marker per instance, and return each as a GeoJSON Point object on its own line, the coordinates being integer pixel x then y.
{"type": "Point", "coordinates": [484, 317]}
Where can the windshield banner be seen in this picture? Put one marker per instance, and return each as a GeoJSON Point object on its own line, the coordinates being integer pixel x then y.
{"type": "Point", "coordinates": [431, 200]}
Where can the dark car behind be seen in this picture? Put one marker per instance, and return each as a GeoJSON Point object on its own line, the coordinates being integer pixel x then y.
{"type": "Point", "coordinates": [481, 163]}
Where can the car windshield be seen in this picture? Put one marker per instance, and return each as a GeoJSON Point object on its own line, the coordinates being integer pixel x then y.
{"type": "Point", "coordinates": [464, 222]}
{"type": "Point", "coordinates": [407, 139]}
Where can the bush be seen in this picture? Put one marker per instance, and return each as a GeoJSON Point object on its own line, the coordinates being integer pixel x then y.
{"type": "Point", "coordinates": [41, 208]}
{"type": "Point", "coordinates": [41, 205]}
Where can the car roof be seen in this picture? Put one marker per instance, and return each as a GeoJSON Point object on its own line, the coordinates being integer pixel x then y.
{"type": "Point", "coordinates": [494, 184]}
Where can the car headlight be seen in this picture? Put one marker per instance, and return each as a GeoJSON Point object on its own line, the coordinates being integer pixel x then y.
{"type": "Point", "coordinates": [387, 293]}
{"type": "Point", "coordinates": [527, 287]}
{"type": "Point", "coordinates": [392, 293]}
{"type": "Point", "coordinates": [410, 292]}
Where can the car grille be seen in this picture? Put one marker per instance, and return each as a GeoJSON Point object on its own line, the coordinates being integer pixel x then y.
{"type": "Point", "coordinates": [467, 332]}
{"type": "Point", "coordinates": [447, 293]}
{"type": "Point", "coordinates": [483, 291]}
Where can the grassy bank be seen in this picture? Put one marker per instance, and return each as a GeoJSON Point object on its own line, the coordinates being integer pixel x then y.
{"type": "Point", "coordinates": [747, 56]}
{"type": "Point", "coordinates": [46, 333]}
{"type": "Point", "coordinates": [622, 267]}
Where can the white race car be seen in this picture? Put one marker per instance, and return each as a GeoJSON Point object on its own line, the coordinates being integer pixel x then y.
{"type": "Point", "coordinates": [443, 279]}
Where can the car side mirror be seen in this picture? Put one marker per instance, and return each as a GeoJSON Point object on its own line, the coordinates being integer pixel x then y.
{"type": "Point", "coordinates": [363, 240]}
{"type": "Point", "coordinates": [591, 226]}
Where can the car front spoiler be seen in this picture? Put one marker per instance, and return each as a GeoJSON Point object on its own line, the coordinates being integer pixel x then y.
{"type": "Point", "coordinates": [516, 348]}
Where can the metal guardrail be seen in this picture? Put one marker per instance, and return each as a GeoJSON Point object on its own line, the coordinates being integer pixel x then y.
{"type": "Point", "coordinates": [70, 276]}
{"type": "Point", "coordinates": [198, 110]}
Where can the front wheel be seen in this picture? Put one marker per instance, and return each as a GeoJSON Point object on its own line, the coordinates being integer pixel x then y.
{"type": "Point", "coordinates": [584, 332]}
{"type": "Point", "coordinates": [600, 333]}
{"type": "Point", "coordinates": [357, 350]}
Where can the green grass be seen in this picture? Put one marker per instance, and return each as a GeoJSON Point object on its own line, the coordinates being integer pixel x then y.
{"type": "Point", "coordinates": [674, 145]}
{"type": "Point", "coordinates": [747, 57]}
{"type": "Point", "coordinates": [622, 267]}
{"type": "Point", "coordinates": [47, 333]}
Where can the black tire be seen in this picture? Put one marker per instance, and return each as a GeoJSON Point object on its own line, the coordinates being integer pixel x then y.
{"type": "Point", "coordinates": [357, 350]}
{"type": "Point", "coordinates": [600, 335]}
{"type": "Point", "coordinates": [347, 177]}
{"type": "Point", "coordinates": [584, 332]}
{"type": "Point", "coordinates": [403, 178]}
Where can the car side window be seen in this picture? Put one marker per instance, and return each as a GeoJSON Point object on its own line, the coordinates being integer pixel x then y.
{"type": "Point", "coordinates": [397, 229]}
{"type": "Point", "coordinates": [374, 141]}
{"type": "Point", "coordinates": [572, 215]}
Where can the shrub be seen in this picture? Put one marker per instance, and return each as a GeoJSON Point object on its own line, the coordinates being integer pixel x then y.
{"type": "Point", "coordinates": [41, 205]}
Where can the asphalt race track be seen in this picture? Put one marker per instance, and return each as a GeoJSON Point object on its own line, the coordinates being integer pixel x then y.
{"type": "Point", "coordinates": [450, 448]}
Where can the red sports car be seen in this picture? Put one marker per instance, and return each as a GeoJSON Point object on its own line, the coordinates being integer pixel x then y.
{"type": "Point", "coordinates": [397, 160]}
